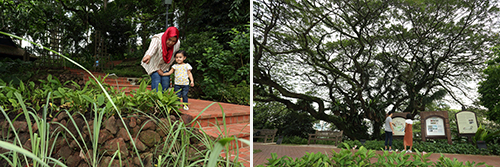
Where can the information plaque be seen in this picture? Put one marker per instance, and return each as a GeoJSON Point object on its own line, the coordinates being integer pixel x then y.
{"type": "Point", "coordinates": [466, 122]}
{"type": "Point", "coordinates": [435, 126]}
{"type": "Point", "coordinates": [399, 127]}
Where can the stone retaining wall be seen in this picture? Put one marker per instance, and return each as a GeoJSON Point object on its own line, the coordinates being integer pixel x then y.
{"type": "Point", "coordinates": [112, 133]}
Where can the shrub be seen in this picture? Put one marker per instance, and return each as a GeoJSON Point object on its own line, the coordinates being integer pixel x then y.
{"type": "Point", "coordinates": [437, 146]}
{"type": "Point", "coordinates": [79, 99]}
{"type": "Point", "coordinates": [294, 140]}
{"type": "Point", "coordinates": [362, 157]}
{"type": "Point", "coordinates": [222, 73]}
{"type": "Point", "coordinates": [15, 71]}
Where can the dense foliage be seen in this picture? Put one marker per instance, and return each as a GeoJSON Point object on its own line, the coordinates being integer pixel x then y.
{"type": "Point", "coordinates": [356, 60]}
{"type": "Point", "coordinates": [216, 32]}
{"type": "Point", "coordinates": [15, 71]}
{"type": "Point", "coordinates": [437, 146]}
{"type": "Point", "coordinates": [223, 74]}
{"type": "Point", "coordinates": [303, 141]}
{"type": "Point", "coordinates": [489, 89]}
{"type": "Point", "coordinates": [116, 21]}
{"type": "Point", "coordinates": [75, 98]}
{"type": "Point", "coordinates": [275, 115]}
{"type": "Point", "coordinates": [363, 157]}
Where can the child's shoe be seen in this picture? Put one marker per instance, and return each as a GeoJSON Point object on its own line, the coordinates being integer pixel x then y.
{"type": "Point", "coordinates": [186, 107]}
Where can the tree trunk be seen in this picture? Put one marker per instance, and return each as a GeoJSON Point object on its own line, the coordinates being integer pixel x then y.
{"type": "Point", "coordinates": [377, 125]}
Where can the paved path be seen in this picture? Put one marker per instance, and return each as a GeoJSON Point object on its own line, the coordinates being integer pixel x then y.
{"type": "Point", "coordinates": [296, 151]}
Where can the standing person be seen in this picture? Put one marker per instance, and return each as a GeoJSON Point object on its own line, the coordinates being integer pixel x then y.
{"type": "Point", "coordinates": [158, 57]}
{"type": "Point", "coordinates": [389, 130]}
{"type": "Point", "coordinates": [408, 140]}
{"type": "Point", "coordinates": [182, 74]}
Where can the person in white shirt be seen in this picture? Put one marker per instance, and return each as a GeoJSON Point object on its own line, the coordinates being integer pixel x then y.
{"type": "Point", "coordinates": [389, 130]}
{"type": "Point", "coordinates": [158, 57]}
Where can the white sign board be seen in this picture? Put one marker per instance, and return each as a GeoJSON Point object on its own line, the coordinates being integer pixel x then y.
{"type": "Point", "coordinates": [399, 127]}
{"type": "Point", "coordinates": [435, 126]}
{"type": "Point", "coordinates": [466, 121]}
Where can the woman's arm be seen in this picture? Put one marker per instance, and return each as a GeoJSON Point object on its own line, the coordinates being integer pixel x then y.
{"type": "Point", "coordinates": [405, 127]}
{"type": "Point", "coordinates": [146, 59]}
{"type": "Point", "coordinates": [151, 50]}
{"type": "Point", "coordinates": [190, 75]}
{"type": "Point", "coordinates": [392, 128]}
{"type": "Point", "coordinates": [167, 73]}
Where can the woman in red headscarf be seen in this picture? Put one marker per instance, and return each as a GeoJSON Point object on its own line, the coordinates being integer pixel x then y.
{"type": "Point", "coordinates": [158, 57]}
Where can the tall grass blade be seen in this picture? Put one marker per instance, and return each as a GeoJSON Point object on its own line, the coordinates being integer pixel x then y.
{"type": "Point", "coordinates": [14, 132]}
{"type": "Point", "coordinates": [219, 146]}
{"type": "Point", "coordinates": [15, 148]}
{"type": "Point", "coordinates": [7, 159]}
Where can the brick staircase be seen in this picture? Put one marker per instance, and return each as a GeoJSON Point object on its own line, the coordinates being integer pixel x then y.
{"type": "Point", "coordinates": [237, 117]}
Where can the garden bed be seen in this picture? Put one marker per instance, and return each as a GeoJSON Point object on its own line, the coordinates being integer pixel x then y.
{"type": "Point", "coordinates": [63, 122]}
{"type": "Point", "coordinates": [72, 137]}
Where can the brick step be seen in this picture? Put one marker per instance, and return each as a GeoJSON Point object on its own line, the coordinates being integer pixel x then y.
{"type": "Point", "coordinates": [96, 74]}
{"type": "Point", "coordinates": [127, 87]}
{"type": "Point", "coordinates": [121, 83]}
{"type": "Point", "coordinates": [243, 155]}
{"type": "Point", "coordinates": [218, 121]}
{"type": "Point", "coordinates": [109, 79]}
{"type": "Point", "coordinates": [86, 76]}
{"type": "Point", "coordinates": [212, 116]}
{"type": "Point", "coordinates": [85, 73]}
{"type": "Point", "coordinates": [237, 119]}
{"type": "Point", "coordinates": [76, 71]}
{"type": "Point", "coordinates": [241, 131]}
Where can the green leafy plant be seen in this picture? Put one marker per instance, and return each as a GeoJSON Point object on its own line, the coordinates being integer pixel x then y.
{"type": "Point", "coordinates": [445, 161]}
{"type": "Point", "coordinates": [362, 157]}
{"type": "Point", "coordinates": [483, 135]}
{"type": "Point", "coordinates": [146, 79]}
{"type": "Point", "coordinates": [167, 100]}
{"type": "Point", "coordinates": [437, 146]}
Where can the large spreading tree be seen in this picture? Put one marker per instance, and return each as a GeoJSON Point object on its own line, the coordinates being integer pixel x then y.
{"type": "Point", "coordinates": [354, 61]}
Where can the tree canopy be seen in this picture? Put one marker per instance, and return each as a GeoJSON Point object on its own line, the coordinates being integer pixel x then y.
{"type": "Point", "coordinates": [489, 89]}
{"type": "Point", "coordinates": [357, 60]}
{"type": "Point", "coordinates": [119, 22]}
{"type": "Point", "coordinates": [214, 33]}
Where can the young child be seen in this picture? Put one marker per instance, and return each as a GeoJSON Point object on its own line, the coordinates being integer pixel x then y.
{"type": "Point", "coordinates": [408, 140]}
{"type": "Point", "coordinates": [182, 73]}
